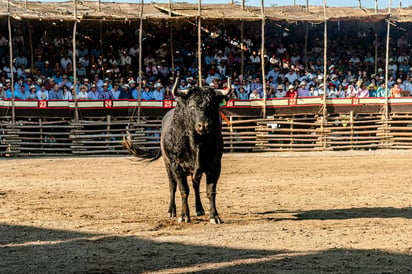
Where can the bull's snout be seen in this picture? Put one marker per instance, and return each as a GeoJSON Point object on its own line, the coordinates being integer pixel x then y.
{"type": "Point", "coordinates": [202, 127]}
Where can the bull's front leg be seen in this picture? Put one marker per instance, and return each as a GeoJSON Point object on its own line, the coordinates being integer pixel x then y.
{"type": "Point", "coordinates": [211, 181]}
{"type": "Point", "coordinates": [181, 180]}
{"type": "Point", "coordinates": [197, 176]}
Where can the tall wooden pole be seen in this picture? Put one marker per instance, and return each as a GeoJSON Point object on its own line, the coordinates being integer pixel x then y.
{"type": "Point", "coordinates": [325, 60]}
{"type": "Point", "coordinates": [13, 102]}
{"type": "Point", "coordinates": [376, 52]}
{"type": "Point", "coordinates": [31, 45]}
{"type": "Point", "coordinates": [306, 45]}
{"type": "Point", "coordinates": [306, 37]}
{"type": "Point", "coordinates": [139, 93]}
{"type": "Point", "coordinates": [199, 41]}
{"type": "Point", "coordinates": [262, 58]}
{"type": "Point", "coordinates": [171, 37]}
{"type": "Point", "coordinates": [387, 64]}
{"type": "Point", "coordinates": [242, 51]}
{"type": "Point", "coordinates": [76, 107]}
{"type": "Point", "coordinates": [242, 36]}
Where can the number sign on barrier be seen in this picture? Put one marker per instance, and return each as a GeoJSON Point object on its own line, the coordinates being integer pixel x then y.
{"type": "Point", "coordinates": [292, 101]}
{"type": "Point", "coordinates": [355, 101]}
{"type": "Point", "coordinates": [108, 103]}
{"type": "Point", "coordinates": [168, 103]}
{"type": "Point", "coordinates": [42, 104]}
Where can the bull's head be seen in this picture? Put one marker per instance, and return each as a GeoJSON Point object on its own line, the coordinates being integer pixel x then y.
{"type": "Point", "coordinates": [200, 105]}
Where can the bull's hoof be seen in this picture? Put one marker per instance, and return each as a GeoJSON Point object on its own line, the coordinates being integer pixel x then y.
{"type": "Point", "coordinates": [200, 213]}
{"type": "Point", "coordinates": [184, 220]}
{"type": "Point", "coordinates": [215, 220]}
{"type": "Point", "coordinates": [171, 214]}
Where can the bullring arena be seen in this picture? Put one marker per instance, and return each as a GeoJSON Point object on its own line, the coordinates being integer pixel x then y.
{"type": "Point", "coordinates": [311, 184]}
{"type": "Point", "coordinates": [312, 212]}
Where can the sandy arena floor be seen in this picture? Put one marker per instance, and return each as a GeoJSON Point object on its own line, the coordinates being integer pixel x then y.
{"type": "Point", "coordinates": [340, 212]}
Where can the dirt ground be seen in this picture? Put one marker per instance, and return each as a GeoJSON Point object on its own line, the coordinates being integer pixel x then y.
{"type": "Point", "coordinates": [327, 212]}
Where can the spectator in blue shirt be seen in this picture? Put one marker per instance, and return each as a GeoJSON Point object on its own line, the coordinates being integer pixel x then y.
{"type": "Point", "coordinates": [93, 94]}
{"type": "Point", "coordinates": [125, 94]}
{"type": "Point", "coordinates": [158, 92]}
{"type": "Point", "coordinates": [107, 93]}
{"type": "Point", "coordinates": [147, 94]}
{"type": "Point", "coordinates": [22, 93]}
{"type": "Point", "coordinates": [56, 93]}
{"type": "Point", "coordinates": [241, 94]}
{"type": "Point", "coordinates": [42, 93]}
{"type": "Point", "coordinates": [116, 91]}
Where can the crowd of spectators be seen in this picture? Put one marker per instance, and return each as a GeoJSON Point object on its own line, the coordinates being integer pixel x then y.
{"type": "Point", "coordinates": [107, 65]}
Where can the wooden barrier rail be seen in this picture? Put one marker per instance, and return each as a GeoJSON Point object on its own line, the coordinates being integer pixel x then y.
{"type": "Point", "coordinates": [294, 132]}
{"type": "Point", "coordinates": [287, 128]}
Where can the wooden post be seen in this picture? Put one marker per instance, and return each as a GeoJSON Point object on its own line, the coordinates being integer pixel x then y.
{"type": "Point", "coordinates": [325, 61]}
{"type": "Point", "coordinates": [242, 52]}
{"type": "Point", "coordinates": [109, 120]}
{"type": "Point", "coordinates": [13, 102]}
{"type": "Point", "coordinates": [242, 36]}
{"type": "Point", "coordinates": [42, 138]}
{"type": "Point", "coordinates": [172, 56]}
{"type": "Point", "coordinates": [387, 65]}
{"type": "Point", "coordinates": [199, 41]}
{"type": "Point", "coordinates": [76, 107]}
{"type": "Point", "coordinates": [306, 46]}
{"type": "Point", "coordinates": [231, 133]}
{"type": "Point", "coordinates": [31, 46]}
{"type": "Point", "coordinates": [376, 52]}
{"type": "Point", "coordinates": [351, 128]}
{"type": "Point", "coordinates": [101, 45]}
{"type": "Point", "coordinates": [139, 93]}
{"type": "Point", "coordinates": [262, 58]}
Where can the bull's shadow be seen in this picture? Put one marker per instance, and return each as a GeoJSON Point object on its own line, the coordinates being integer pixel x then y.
{"type": "Point", "coordinates": [26, 249]}
{"type": "Point", "coordinates": [342, 214]}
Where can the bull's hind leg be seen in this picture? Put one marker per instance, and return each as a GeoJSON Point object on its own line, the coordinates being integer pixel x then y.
{"type": "Point", "coordinates": [211, 181]}
{"type": "Point", "coordinates": [196, 184]}
{"type": "Point", "coordinates": [172, 187]}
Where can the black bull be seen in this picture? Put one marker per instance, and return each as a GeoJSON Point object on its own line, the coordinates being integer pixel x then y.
{"type": "Point", "coordinates": [191, 144]}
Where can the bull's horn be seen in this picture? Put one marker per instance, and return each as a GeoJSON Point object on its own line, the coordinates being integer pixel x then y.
{"type": "Point", "coordinates": [224, 92]}
{"type": "Point", "coordinates": [174, 88]}
{"type": "Point", "coordinates": [178, 92]}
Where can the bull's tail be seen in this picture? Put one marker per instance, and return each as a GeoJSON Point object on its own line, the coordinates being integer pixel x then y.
{"type": "Point", "coordinates": [150, 155]}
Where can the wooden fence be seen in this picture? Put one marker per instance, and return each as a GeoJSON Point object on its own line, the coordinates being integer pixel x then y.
{"type": "Point", "coordinates": [280, 132]}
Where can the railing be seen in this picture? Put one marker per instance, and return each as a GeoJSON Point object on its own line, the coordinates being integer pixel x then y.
{"type": "Point", "coordinates": [270, 103]}
{"type": "Point", "coordinates": [289, 126]}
